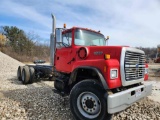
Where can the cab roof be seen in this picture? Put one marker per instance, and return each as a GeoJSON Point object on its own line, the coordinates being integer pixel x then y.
{"type": "Point", "coordinates": [82, 29]}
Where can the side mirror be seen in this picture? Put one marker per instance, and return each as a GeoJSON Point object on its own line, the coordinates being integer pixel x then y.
{"type": "Point", "coordinates": [58, 35]}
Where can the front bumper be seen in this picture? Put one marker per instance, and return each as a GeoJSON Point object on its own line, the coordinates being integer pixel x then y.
{"type": "Point", "coordinates": [120, 101]}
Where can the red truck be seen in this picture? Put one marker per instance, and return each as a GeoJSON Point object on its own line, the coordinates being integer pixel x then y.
{"type": "Point", "coordinates": [100, 80]}
{"type": "Point", "coordinates": [157, 59]}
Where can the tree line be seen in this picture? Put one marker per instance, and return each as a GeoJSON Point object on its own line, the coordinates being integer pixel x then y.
{"type": "Point", "coordinates": [149, 52]}
{"type": "Point", "coordinates": [23, 46]}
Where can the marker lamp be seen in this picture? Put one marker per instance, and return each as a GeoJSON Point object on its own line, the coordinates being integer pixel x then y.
{"type": "Point", "coordinates": [107, 56]}
{"type": "Point", "coordinates": [64, 26]}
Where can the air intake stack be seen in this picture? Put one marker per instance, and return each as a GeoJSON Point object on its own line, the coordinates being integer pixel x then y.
{"type": "Point", "coordinates": [52, 41]}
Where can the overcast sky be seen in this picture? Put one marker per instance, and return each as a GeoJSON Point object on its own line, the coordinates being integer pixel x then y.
{"type": "Point", "coordinates": [128, 22]}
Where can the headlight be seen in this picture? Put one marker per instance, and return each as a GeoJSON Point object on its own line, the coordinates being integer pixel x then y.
{"type": "Point", "coordinates": [113, 73]}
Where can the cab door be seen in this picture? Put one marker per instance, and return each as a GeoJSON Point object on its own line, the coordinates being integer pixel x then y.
{"type": "Point", "coordinates": [63, 53]}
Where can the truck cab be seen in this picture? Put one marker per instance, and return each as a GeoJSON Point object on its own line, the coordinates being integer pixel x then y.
{"type": "Point", "coordinates": [84, 47]}
{"type": "Point", "coordinates": [68, 50]}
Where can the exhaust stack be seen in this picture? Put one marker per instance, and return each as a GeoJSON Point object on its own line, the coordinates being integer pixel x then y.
{"type": "Point", "coordinates": [52, 41]}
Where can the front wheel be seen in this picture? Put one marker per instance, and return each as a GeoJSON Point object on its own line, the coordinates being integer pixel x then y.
{"type": "Point", "coordinates": [88, 102]}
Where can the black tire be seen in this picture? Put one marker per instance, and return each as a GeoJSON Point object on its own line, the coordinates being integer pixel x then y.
{"type": "Point", "coordinates": [19, 73]}
{"type": "Point", "coordinates": [32, 74]}
{"type": "Point", "coordinates": [25, 75]}
{"type": "Point", "coordinates": [88, 101]}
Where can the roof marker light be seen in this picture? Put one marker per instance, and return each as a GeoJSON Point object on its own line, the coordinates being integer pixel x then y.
{"type": "Point", "coordinates": [64, 25]}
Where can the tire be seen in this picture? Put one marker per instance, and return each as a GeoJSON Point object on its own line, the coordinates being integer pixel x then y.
{"type": "Point", "coordinates": [32, 74]}
{"type": "Point", "coordinates": [88, 102]}
{"type": "Point", "coordinates": [19, 73]}
{"type": "Point", "coordinates": [25, 75]}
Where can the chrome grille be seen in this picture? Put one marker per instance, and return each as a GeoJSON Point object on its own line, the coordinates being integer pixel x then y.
{"type": "Point", "coordinates": [134, 65]}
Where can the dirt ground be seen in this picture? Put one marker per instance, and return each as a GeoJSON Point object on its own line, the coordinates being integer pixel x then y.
{"type": "Point", "coordinates": [154, 79]}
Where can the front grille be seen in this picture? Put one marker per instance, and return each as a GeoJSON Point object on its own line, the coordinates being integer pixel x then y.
{"type": "Point", "coordinates": [134, 65]}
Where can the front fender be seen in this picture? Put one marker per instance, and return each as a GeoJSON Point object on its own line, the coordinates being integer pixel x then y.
{"type": "Point", "coordinates": [74, 74]}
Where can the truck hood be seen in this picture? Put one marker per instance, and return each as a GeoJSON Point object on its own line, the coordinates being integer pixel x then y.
{"type": "Point", "coordinates": [98, 52]}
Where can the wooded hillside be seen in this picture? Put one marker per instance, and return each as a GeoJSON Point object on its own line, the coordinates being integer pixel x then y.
{"type": "Point", "coordinates": [23, 46]}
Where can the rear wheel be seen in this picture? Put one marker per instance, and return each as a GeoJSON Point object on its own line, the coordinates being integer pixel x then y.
{"type": "Point", "coordinates": [25, 75]}
{"type": "Point", "coordinates": [19, 73]}
{"type": "Point", "coordinates": [88, 102]}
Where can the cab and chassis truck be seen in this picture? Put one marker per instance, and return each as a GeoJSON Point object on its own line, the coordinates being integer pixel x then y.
{"type": "Point", "coordinates": [100, 80]}
{"type": "Point", "coordinates": [157, 59]}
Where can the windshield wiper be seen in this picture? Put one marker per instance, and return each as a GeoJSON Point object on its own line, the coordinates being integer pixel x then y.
{"type": "Point", "coordinates": [65, 45]}
{"type": "Point", "coordinates": [93, 45]}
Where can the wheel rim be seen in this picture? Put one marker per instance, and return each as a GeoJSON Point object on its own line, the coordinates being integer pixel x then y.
{"type": "Point", "coordinates": [89, 105]}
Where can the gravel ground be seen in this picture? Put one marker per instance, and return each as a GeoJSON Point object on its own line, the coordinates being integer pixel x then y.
{"type": "Point", "coordinates": [37, 101]}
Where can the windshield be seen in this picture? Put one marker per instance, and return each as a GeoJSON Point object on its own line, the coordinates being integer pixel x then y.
{"type": "Point", "coordinates": [88, 38]}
